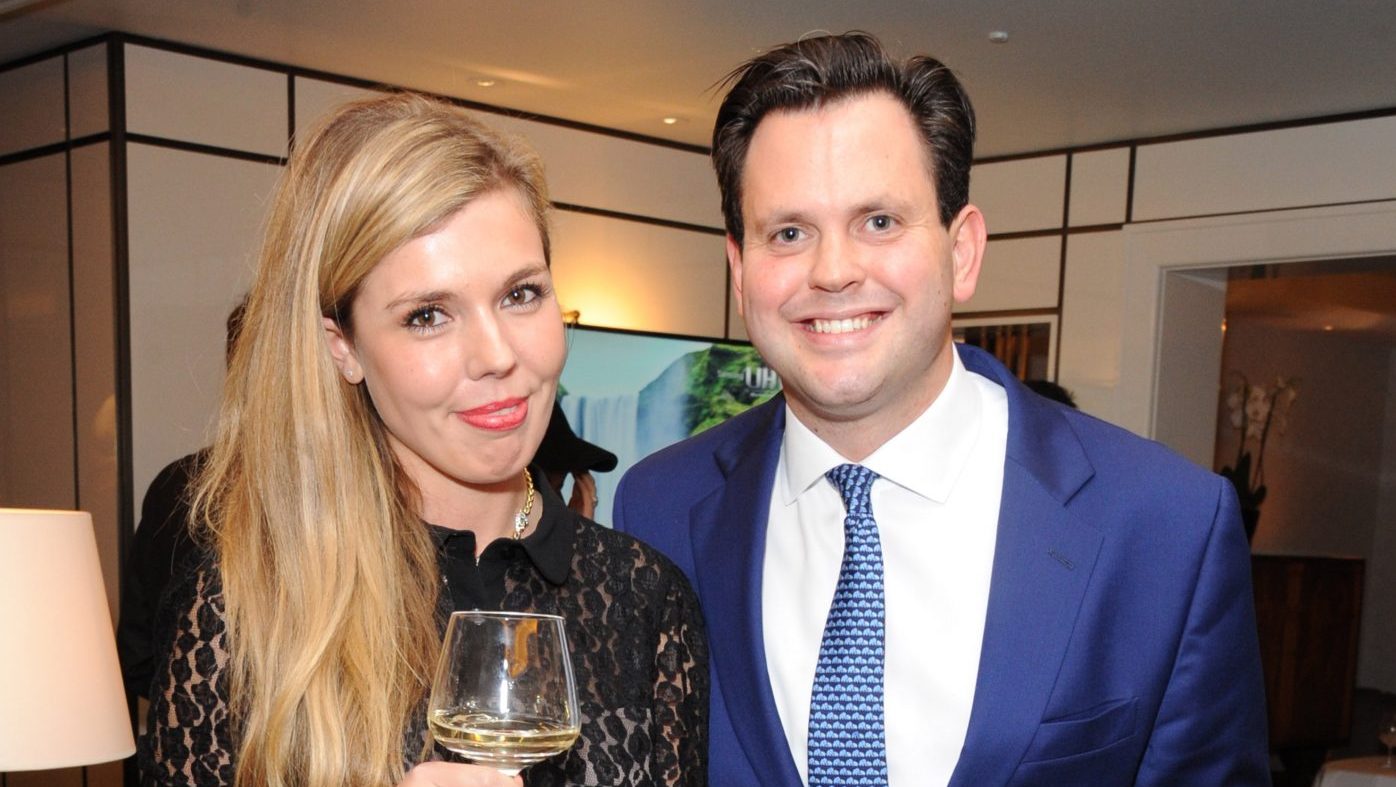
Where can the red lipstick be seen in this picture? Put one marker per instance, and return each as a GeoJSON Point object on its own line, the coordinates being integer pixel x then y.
{"type": "Point", "coordinates": [498, 416]}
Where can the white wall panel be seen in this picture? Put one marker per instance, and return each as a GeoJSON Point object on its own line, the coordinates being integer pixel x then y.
{"type": "Point", "coordinates": [1024, 194]}
{"type": "Point", "coordinates": [1020, 273]}
{"type": "Point", "coordinates": [195, 223]}
{"type": "Point", "coordinates": [1191, 310]}
{"type": "Point", "coordinates": [315, 97]}
{"type": "Point", "coordinates": [1099, 187]}
{"type": "Point", "coordinates": [87, 91]}
{"type": "Point", "coordinates": [1091, 317]}
{"type": "Point", "coordinates": [209, 102]}
{"type": "Point", "coordinates": [94, 352]}
{"type": "Point", "coordinates": [1311, 165]}
{"type": "Point", "coordinates": [627, 274]}
{"type": "Point", "coordinates": [31, 106]}
{"type": "Point", "coordinates": [36, 382]}
{"type": "Point", "coordinates": [600, 171]}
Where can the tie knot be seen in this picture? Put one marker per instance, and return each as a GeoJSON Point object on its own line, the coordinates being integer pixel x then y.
{"type": "Point", "coordinates": [854, 483]}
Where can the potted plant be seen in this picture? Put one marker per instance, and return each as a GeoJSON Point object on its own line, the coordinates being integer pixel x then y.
{"type": "Point", "coordinates": [1255, 410]}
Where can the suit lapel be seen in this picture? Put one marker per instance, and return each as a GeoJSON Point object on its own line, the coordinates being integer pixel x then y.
{"type": "Point", "coordinates": [729, 540]}
{"type": "Point", "coordinates": [1042, 563]}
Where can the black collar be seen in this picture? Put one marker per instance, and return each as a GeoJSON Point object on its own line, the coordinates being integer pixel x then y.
{"type": "Point", "coordinates": [548, 547]}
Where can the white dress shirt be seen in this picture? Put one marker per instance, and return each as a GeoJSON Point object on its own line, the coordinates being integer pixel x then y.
{"type": "Point", "coordinates": [937, 507]}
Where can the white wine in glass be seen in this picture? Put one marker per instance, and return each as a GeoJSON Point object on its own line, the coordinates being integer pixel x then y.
{"type": "Point", "coordinates": [504, 695]}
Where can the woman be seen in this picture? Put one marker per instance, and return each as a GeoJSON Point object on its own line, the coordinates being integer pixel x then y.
{"type": "Point", "coordinates": [395, 375]}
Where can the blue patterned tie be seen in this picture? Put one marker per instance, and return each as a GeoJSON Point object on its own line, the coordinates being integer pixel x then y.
{"type": "Point", "coordinates": [847, 742]}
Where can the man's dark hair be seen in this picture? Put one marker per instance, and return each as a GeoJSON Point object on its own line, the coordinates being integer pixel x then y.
{"type": "Point", "coordinates": [816, 71]}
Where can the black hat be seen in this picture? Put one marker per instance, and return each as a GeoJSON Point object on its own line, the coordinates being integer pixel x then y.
{"type": "Point", "coordinates": [563, 451]}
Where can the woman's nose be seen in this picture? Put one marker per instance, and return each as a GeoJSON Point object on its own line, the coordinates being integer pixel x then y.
{"type": "Point", "coordinates": [488, 351]}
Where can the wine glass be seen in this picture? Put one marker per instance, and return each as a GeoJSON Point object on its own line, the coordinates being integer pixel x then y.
{"type": "Point", "coordinates": [1388, 738]}
{"type": "Point", "coordinates": [504, 695]}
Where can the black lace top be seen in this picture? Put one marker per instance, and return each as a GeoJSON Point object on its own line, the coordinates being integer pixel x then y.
{"type": "Point", "coordinates": [638, 653]}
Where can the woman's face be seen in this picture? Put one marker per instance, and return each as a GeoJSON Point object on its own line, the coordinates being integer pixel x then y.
{"type": "Point", "coordinates": [459, 338]}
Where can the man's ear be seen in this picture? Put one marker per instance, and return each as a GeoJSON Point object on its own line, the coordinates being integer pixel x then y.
{"type": "Point", "coordinates": [734, 263]}
{"type": "Point", "coordinates": [969, 236]}
{"type": "Point", "coordinates": [342, 351]}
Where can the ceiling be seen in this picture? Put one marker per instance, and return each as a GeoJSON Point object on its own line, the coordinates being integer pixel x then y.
{"type": "Point", "coordinates": [1072, 73]}
{"type": "Point", "coordinates": [1351, 299]}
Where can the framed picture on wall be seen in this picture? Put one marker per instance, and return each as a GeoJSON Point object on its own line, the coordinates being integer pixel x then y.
{"type": "Point", "coordinates": [634, 393]}
{"type": "Point", "coordinates": [1026, 345]}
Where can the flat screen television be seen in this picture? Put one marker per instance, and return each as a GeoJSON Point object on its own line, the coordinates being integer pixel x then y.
{"type": "Point", "coordinates": [634, 393]}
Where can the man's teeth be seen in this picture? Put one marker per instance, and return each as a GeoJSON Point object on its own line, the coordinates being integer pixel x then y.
{"type": "Point", "coordinates": [841, 326]}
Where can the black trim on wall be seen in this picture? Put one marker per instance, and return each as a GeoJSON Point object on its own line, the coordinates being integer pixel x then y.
{"type": "Point", "coordinates": [1129, 186]}
{"type": "Point", "coordinates": [1089, 228]}
{"type": "Point", "coordinates": [290, 113]}
{"type": "Point", "coordinates": [1350, 203]}
{"type": "Point", "coordinates": [211, 150]}
{"type": "Point", "coordinates": [1061, 266]}
{"type": "Point", "coordinates": [54, 148]}
{"type": "Point", "coordinates": [1221, 131]}
{"type": "Point", "coordinates": [29, 60]}
{"type": "Point", "coordinates": [72, 285]}
{"type": "Point", "coordinates": [1043, 312]}
{"type": "Point", "coordinates": [121, 292]}
{"type": "Point", "coordinates": [1020, 234]}
{"type": "Point", "coordinates": [616, 214]}
{"type": "Point", "coordinates": [661, 335]}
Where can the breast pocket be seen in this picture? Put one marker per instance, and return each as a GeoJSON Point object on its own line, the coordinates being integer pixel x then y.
{"type": "Point", "coordinates": [1081, 733]}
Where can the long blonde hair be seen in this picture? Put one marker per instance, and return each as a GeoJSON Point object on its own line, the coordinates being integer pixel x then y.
{"type": "Point", "coordinates": [330, 580]}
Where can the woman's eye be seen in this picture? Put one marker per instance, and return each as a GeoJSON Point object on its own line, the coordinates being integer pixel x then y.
{"type": "Point", "coordinates": [425, 318]}
{"type": "Point", "coordinates": [522, 295]}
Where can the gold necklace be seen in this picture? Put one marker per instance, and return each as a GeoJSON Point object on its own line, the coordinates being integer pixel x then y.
{"type": "Point", "coordinates": [521, 516]}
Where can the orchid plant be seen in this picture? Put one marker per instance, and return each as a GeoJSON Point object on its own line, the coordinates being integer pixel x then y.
{"type": "Point", "coordinates": [1256, 411]}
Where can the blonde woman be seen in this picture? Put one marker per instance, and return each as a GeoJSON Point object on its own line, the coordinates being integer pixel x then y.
{"type": "Point", "coordinates": [395, 375]}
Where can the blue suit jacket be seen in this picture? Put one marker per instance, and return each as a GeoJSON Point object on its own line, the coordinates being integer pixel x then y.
{"type": "Point", "coordinates": [1120, 642]}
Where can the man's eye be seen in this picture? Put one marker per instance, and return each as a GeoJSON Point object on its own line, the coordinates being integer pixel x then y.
{"type": "Point", "coordinates": [881, 223]}
{"type": "Point", "coordinates": [788, 234]}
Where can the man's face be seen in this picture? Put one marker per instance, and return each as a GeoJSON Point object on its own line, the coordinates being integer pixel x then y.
{"type": "Point", "coordinates": [846, 277]}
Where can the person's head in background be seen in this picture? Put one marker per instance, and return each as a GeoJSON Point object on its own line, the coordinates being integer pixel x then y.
{"type": "Point", "coordinates": [562, 453]}
{"type": "Point", "coordinates": [1052, 391]}
{"type": "Point", "coordinates": [325, 449]}
{"type": "Point", "coordinates": [845, 181]}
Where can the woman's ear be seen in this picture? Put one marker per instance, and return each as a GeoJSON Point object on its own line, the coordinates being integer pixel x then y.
{"type": "Point", "coordinates": [342, 351]}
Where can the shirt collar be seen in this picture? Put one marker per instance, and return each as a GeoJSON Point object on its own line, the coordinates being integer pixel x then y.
{"type": "Point", "coordinates": [548, 547]}
{"type": "Point", "coordinates": [926, 457]}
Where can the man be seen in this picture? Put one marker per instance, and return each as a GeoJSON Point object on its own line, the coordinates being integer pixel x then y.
{"type": "Point", "coordinates": [1028, 595]}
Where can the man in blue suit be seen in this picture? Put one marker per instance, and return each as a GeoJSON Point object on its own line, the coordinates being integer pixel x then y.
{"type": "Point", "coordinates": [914, 570]}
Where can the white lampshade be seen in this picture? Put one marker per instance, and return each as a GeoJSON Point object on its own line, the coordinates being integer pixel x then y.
{"type": "Point", "coordinates": [61, 700]}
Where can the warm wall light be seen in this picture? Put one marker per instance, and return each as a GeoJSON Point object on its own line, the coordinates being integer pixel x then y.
{"type": "Point", "coordinates": [61, 699]}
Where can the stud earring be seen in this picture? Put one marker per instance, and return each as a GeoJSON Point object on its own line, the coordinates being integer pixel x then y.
{"type": "Point", "coordinates": [352, 375]}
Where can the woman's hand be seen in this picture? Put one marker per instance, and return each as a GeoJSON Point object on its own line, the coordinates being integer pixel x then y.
{"type": "Point", "coordinates": [449, 774]}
